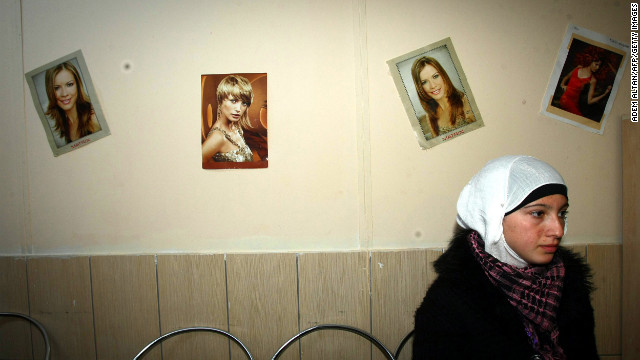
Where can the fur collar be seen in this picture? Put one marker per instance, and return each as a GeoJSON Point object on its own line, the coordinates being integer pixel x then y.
{"type": "Point", "coordinates": [458, 261]}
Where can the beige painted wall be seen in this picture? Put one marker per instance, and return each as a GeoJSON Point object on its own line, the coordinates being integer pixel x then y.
{"type": "Point", "coordinates": [345, 169]}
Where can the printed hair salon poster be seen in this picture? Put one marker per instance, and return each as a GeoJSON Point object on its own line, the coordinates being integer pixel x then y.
{"type": "Point", "coordinates": [64, 97]}
{"type": "Point", "coordinates": [234, 121]}
{"type": "Point", "coordinates": [435, 93]}
{"type": "Point", "coordinates": [585, 79]}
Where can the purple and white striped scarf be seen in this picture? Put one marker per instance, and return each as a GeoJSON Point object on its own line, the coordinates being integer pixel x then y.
{"type": "Point", "coordinates": [534, 290]}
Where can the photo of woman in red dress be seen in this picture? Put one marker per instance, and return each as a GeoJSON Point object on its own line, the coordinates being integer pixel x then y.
{"type": "Point", "coordinates": [586, 80]}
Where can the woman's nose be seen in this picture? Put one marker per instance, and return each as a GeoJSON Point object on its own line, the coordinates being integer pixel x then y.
{"type": "Point", "coordinates": [556, 226]}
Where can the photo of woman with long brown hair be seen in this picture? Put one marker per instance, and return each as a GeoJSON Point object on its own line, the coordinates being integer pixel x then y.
{"type": "Point", "coordinates": [447, 108]}
{"type": "Point", "coordinates": [69, 105]}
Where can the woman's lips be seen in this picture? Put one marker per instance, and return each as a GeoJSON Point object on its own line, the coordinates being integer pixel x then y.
{"type": "Point", "coordinates": [549, 248]}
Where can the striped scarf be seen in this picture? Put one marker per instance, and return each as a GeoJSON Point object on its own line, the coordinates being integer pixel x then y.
{"type": "Point", "coordinates": [534, 290]}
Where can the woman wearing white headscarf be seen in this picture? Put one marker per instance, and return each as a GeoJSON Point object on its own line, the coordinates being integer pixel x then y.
{"type": "Point", "coordinates": [506, 289]}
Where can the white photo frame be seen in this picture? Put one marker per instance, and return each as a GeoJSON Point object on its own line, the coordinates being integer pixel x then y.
{"type": "Point", "coordinates": [36, 79]}
{"type": "Point", "coordinates": [578, 46]}
{"type": "Point", "coordinates": [401, 71]}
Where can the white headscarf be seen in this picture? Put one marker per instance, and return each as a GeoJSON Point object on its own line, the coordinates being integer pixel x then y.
{"type": "Point", "coordinates": [500, 186]}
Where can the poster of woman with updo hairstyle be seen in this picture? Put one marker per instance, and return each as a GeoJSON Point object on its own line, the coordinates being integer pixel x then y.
{"type": "Point", "coordinates": [234, 121]}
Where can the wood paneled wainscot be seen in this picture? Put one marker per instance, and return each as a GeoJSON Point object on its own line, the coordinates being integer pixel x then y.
{"type": "Point", "coordinates": [110, 307]}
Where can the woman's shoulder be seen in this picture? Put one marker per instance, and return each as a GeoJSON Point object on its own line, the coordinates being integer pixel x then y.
{"type": "Point", "coordinates": [94, 125]}
{"type": "Point", "coordinates": [574, 71]}
{"type": "Point", "coordinates": [469, 116]}
{"type": "Point", "coordinates": [457, 258]}
{"type": "Point", "coordinates": [572, 259]}
{"type": "Point", "coordinates": [577, 270]}
{"type": "Point", "coordinates": [213, 142]}
{"type": "Point", "coordinates": [215, 133]}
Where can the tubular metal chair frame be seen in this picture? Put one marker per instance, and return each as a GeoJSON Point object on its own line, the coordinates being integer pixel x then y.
{"type": "Point", "coordinates": [192, 329]}
{"type": "Point", "coordinates": [403, 343]}
{"type": "Point", "coordinates": [351, 329]}
{"type": "Point", "coordinates": [47, 345]}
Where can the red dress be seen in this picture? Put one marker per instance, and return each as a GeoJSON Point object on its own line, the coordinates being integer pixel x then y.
{"type": "Point", "coordinates": [569, 100]}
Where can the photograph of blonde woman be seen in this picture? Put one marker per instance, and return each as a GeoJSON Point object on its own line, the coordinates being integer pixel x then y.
{"type": "Point", "coordinates": [447, 108]}
{"type": "Point", "coordinates": [435, 94]}
{"type": "Point", "coordinates": [234, 121]}
{"type": "Point", "coordinates": [65, 100]}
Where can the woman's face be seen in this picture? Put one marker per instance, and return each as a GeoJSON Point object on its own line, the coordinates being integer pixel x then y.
{"type": "Point", "coordinates": [233, 108]}
{"type": "Point", "coordinates": [432, 83]}
{"type": "Point", "coordinates": [535, 230]}
{"type": "Point", "coordinates": [66, 90]}
{"type": "Point", "coordinates": [595, 66]}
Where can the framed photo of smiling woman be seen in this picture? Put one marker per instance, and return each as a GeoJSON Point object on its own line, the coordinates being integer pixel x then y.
{"type": "Point", "coordinates": [435, 93]}
{"type": "Point", "coordinates": [66, 102]}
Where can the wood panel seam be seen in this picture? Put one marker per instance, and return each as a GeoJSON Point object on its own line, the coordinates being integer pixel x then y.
{"type": "Point", "coordinates": [155, 260]}
{"type": "Point", "coordinates": [370, 274]}
{"type": "Point", "coordinates": [26, 269]}
{"type": "Point", "coordinates": [93, 311]}
{"type": "Point", "coordinates": [298, 301]}
{"type": "Point", "coordinates": [226, 289]}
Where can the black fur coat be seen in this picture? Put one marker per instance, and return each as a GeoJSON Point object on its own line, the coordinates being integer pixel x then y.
{"type": "Point", "coordinates": [464, 316]}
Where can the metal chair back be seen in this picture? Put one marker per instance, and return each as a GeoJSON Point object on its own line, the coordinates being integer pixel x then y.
{"type": "Point", "coordinates": [403, 343]}
{"type": "Point", "coordinates": [351, 329]}
{"type": "Point", "coordinates": [45, 336]}
{"type": "Point", "coordinates": [192, 329]}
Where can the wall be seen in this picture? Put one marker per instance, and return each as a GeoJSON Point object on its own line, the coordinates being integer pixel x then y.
{"type": "Point", "coordinates": [111, 307]}
{"type": "Point", "coordinates": [631, 240]}
{"type": "Point", "coordinates": [345, 170]}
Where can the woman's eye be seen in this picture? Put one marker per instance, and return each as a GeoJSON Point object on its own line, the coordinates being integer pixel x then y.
{"type": "Point", "coordinates": [69, 84]}
{"type": "Point", "coordinates": [563, 214]}
{"type": "Point", "coordinates": [537, 213]}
